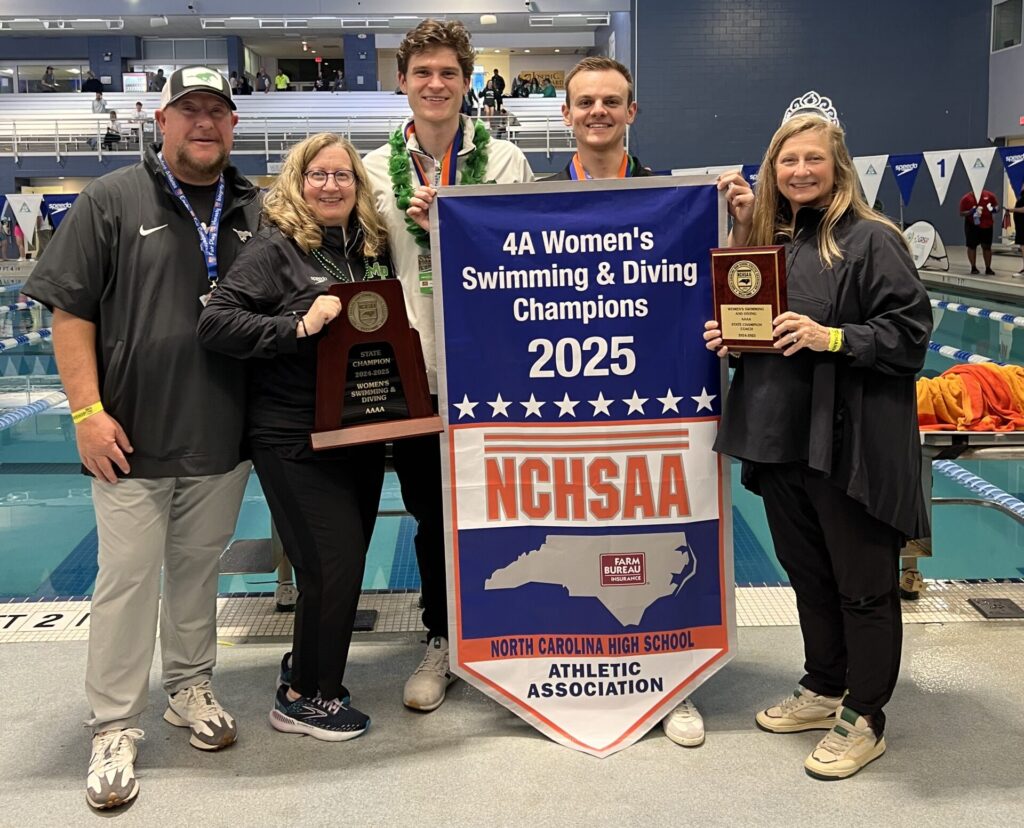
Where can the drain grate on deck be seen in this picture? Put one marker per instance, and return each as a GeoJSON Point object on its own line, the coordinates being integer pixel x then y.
{"type": "Point", "coordinates": [996, 607]}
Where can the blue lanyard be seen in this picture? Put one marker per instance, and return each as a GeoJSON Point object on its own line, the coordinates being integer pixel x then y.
{"type": "Point", "coordinates": [207, 236]}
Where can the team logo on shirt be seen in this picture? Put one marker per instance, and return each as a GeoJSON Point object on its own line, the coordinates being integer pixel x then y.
{"type": "Point", "coordinates": [376, 271]}
{"type": "Point", "coordinates": [744, 279]}
{"type": "Point", "coordinates": [243, 235]}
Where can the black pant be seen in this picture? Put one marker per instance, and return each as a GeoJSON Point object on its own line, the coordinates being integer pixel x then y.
{"type": "Point", "coordinates": [843, 566]}
{"type": "Point", "coordinates": [417, 462]}
{"type": "Point", "coordinates": [324, 508]}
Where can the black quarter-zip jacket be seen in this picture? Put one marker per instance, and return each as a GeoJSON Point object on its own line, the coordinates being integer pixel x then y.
{"type": "Point", "coordinates": [254, 314]}
{"type": "Point", "coordinates": [127, 258]}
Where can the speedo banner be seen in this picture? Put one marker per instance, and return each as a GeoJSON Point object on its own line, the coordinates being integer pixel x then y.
{"type": "Point", "coordinates": [587, 518]}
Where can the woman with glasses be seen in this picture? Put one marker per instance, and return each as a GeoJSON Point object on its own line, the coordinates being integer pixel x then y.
{"type": "Point", "coordinates": [271, 309]}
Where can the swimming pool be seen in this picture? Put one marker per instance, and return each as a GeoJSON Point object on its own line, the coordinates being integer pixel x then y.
{"type": "Point", "coordinates": [48, 535]}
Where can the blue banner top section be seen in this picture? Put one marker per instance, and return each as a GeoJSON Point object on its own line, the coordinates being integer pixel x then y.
{"type": "Point", "coordinates": [1013, 163]}
{"type": "Point", "coordinates": [590, 295]}
{"type": "Point", "coordinates": [55, 207]}
{"type": "Point", "coordinates": [905, 168]}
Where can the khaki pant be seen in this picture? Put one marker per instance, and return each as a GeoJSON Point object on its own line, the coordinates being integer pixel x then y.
{"type": "Point", "coordinates": [176, 524]}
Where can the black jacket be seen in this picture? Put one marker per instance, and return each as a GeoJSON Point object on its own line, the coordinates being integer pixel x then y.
{"type": "Point", "coordinates": [254, 314]}
{"type": "Point", "coordinates": [127, 258]}
{"type": "Point", "coordinates": [639, 170]}
{"type": "Point", "coordinates": [849, 416]}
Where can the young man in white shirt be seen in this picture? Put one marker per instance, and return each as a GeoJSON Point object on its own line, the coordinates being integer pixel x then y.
{"type": "Point", "coordinates": [436, 147]}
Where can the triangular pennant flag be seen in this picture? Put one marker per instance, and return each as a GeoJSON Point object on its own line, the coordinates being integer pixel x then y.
{"type": "Point", "coordinates": [26, 211]}
{"type": "Point", "coordinates": [977, 163]}
{"type": "Point", "coordinates": [55, 207]}
{"type": "Point", "coordinates": [750, 172]}
{"type": "Point", "coordinates": [869, 170]}
{"type": "Point", "coordinates": [905, 168]}
{"type": "Point", "coordinates": [1013, 163]}
{"type": "Point", "coordinates": [941, 165]}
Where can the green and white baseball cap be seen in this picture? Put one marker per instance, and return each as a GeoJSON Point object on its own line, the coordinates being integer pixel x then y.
{"type": "Point", "coordinates": [195, 79]}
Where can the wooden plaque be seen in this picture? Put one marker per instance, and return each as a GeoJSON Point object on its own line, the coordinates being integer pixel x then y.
{"type": "Point", "coordinates": [749, 292]}
{"type": "Point", "coordinates": [371, 382]}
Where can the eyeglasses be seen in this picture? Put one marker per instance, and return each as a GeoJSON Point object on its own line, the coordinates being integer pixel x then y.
{"type": "Point", "coordinates": [318, 178]}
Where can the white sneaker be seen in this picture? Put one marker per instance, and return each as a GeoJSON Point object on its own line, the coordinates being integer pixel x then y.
{"type": "Point", "coordinates": [285, 596]}
{"type": "Point", "coordinates": [803, 710]}
{"type": "Point", "coordinates": [196, 708]}
{"type": "Point", "coordinates": [426, 687]}
{"type": "Point", "coordinates": [685, 725]}
{"type": "Point", "coordinates": [111, 781]}
{"type": "Point", "coordinates": [847, 747]}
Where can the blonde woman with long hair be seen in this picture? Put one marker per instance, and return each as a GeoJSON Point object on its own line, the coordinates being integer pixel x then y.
{"type": "Point", "coordinates": [827, 431]}
{"type": "Point", "coordinates": [271, 308]}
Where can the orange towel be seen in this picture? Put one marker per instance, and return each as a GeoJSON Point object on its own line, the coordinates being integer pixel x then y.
{"type": "Point", "coordinates": [982, 397]}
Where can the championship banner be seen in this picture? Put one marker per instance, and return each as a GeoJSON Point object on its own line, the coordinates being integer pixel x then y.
{"type": "Point", "coordinates": [55, 207]}
{"type": "Point", "coordinates": [587, 520]}
{"type": "Point", "coordinates": [977, 163]}
{"type": "Point", "coordinates": [870, 169]}
{"type": "Point", "coordinates": [906, 168]}
{"type": "Point", "coordinates": [1013, 164]}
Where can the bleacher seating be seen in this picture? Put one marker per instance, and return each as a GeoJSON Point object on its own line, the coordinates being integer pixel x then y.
{"type": "Point", "coordinates": [49, 124]}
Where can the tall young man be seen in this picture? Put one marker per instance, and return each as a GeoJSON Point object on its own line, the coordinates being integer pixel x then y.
{"type": "Point", "coordinates": [437, 147]}
{"type": "Point", "coordinates": [158, 419]}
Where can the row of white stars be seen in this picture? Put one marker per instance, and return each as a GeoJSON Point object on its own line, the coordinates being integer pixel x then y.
{"type": "Point", "coordinates": [567, 407]}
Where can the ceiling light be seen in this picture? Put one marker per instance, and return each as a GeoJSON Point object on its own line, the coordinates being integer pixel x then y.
{"type": "Point", "coordinates": [557, 51]}
{"type": "Point", "coordinates": [497, 50]}
{"type": "Point", "coordinates": [527, 51]}
{"type": "Point", "coordinates": [488, 19]}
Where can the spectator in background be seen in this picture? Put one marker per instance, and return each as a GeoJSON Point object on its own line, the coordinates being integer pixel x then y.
{"type": "Point", "coordinates": [262, 81]}
{"type": "Point", "coordinates": [156, 84]}
{"type": "Point", "coordinates": [549, 89]}
{"type": "Point", "coordinates": [245, 88]}
{"type": "Point", "coordinates": [499, 88]}
{"type": "Point", "coordinates": [1018, 225]}
{"type": "Point", "coordinates": [9, 248]}
{"type": "Point", "coordinates": [92, 83]}
{"type": "Point", "coordinates": [490, 99]}
{"type": "Point", "coordinates": [113, 134]}
{"type": "Point", "coordinates": [48, 83]}
{"type": "Point", "coordinates": [534, 86]}
{"type": "Point", "coordinates": [281, 81]}
{"type": "Point", "coordinates": [99, 106]}
{"type": "Point", "coordinates": [233, 81]}
{"type": "Point", "coordinates": [338, 81]}
{"type": "Point", "coordinates": [137, 120]}
{"type": "Point", "coordinates": [978, 226]}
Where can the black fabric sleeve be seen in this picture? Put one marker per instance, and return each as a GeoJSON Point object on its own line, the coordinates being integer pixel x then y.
{"type": "Point", "coordinates": [897, 323]}
{"type": "Point", "coordinates": [241, 319]}
{"type": "Point", "coordinates": [76, 264]}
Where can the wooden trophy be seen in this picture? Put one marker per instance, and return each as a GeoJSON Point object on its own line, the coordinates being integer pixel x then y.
{"type": "Point", "coordinates": [371, 382]}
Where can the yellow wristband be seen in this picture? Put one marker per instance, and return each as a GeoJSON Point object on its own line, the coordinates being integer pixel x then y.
{"type": "Point", "coordinates": [86, 413]}
{"type": "Point", "coordinates": [835, 339]}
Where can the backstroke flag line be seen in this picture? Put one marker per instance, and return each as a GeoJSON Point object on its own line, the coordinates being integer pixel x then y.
{"type": "Point", "coordinates": [586, 516]}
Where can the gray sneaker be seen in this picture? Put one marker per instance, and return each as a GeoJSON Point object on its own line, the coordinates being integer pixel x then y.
{"type": "Point", "coordinates": [426, 687]}
{"type": "Point", "coordinates": [111, 781]}
{"type": "Point", "coordinates": [196, 708]}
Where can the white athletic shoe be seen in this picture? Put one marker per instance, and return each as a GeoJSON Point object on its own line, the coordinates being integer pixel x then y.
{"type": "Point", "coordinates": [685, 725]}
{"type": "Point", "coordinates": [847, 747]}
{"type": "Point", "coordinates": [196, 708]}
{"type": "Point", "coordinates": [111, 781]}
{"type": "Point", "coordinates": [285, 596]}
{"type": "Point", "coordinates": [426, 687]}
{"type": "Point", "coordinates": [803, 710]}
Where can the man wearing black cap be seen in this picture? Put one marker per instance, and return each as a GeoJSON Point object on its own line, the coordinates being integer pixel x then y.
{"type": "Point", "coordinates": [158, 420]}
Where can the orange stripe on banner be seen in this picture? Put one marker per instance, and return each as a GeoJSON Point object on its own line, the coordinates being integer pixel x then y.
{"type": "Point", "coordinates": [608, 436]}
{"type": "Point", "coordinates": [504, 449]}
{"type": "Point", "coordinates": [591, 646]}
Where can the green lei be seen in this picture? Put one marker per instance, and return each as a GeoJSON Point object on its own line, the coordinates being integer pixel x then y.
{"type": "Point", "coordinates": [400, 170]}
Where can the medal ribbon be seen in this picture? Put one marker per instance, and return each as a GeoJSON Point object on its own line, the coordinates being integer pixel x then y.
{"type": "Point", "coordinates": [448, 166]}
{"type": "Point", "coordinates": [577, 173]}
{"type": "Point", "coordinates": [208, 235]}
